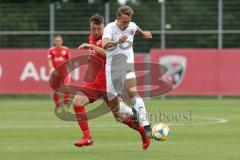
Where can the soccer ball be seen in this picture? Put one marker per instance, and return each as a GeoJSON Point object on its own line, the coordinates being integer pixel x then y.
{"type": "Point", "coordinates": [160, 132]}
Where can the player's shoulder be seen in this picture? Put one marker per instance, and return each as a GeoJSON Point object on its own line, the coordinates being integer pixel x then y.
{"type": "Point", "coordinates": [132, 24]}
{"type": "Point", "coordinates": [110, 25]}
{"type": "Point", "coordinates": [90, 37]}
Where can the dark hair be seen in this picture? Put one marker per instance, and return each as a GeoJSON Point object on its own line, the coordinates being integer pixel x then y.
{"type": "Point", "coordinates": [96, 19]}
{"type": "Point", "coordinates": [125, 10]}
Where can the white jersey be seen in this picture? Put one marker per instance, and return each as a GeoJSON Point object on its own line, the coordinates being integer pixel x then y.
{"type": "Point", "coordinates": [113, 32]}
{"type": "Point", "coordinates": [119, 59]}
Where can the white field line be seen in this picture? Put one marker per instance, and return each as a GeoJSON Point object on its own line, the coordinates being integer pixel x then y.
{"type": "Point", "coordinates": [212, 120]}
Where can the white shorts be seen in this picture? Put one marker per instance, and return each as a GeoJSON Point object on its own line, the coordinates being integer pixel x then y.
{"type": "Point", "coordinates": [116, 74]}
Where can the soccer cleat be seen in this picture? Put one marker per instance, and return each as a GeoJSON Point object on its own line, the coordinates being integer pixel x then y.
{"type": "Point", "coordinates": [84, 142]}
{"type": "Point", "coordinates": [148, 130]}
{"type": "Point", "coordinates": [134, 118]}
{"type": "Point", "coordinates": [145, 139]}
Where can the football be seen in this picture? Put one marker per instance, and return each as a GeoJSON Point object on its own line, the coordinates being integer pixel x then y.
{"type": "Point", "coordinates": [160, 132]}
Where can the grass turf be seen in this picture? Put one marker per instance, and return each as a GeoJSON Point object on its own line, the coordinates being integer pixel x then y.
{"type": "Point", "coordinates": [30, 130]}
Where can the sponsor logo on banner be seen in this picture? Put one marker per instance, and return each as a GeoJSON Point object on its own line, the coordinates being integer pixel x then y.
{"type": "Point", "coordinates": [1, 71]}
{"type": "Point", "coordinates": [40, 73]}
{"type": "Point", "coordinates": [176, 68]}
{"type": "Point", "coordinates": [30, 71]}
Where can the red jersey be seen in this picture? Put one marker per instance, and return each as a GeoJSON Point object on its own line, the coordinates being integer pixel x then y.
{"type": "Point", "coordinates": [97, 87]}
{"type": "Point", "coordinates": [58, 56]}
{"type": "Point", "coordinates": [100, 78]}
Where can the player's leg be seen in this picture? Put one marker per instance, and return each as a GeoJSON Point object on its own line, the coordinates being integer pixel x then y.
{"type": "Point", "coordinates": [79, 102]}
{"type": "Point", "coordinates": [56, 99]}
{"type": "Point", "coordinates": [126, 117]}
{"type": "Point", "coordinates": [113, 99]}
{"type": "Point", "coordinates": [138, 104]}
{"type": "Point", "coordinates": [125, 114]}
{"type": "Point", "coordinates": [56, 96]}
{"type": "Point", "coordinates": [60, 98]}
{"type": "Point", "coordinates": [120, 110]}
{"type": "Point", "coordinates": [66, 96]}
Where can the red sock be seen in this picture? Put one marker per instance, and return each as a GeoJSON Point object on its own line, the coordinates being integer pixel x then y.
{"type": "Point", "coordinates": [66, 98]}
{"type": "Point", "coordinates": [82, 120]}
{"type": "Point", "coordinates": [56, 99]}
{"type": "Point", "coordinates": [130, 123]}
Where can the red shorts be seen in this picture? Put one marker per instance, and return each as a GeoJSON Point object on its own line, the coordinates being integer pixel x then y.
{"type": "Point", "coordinates": [94, 91]}
{"type": "Point", "coordinates": [59, 81]}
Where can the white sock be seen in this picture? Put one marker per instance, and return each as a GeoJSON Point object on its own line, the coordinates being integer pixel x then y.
{"type": "Point", "coordinates": [124, 109]}
{"type": "Point", "coordinates": [138, 104]}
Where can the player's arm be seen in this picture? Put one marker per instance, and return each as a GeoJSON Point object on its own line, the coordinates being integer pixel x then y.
{"type": "Point", "coordinates": [108, 43]}
{"type": "Point", "coordinates": [97, 49]}
{"type": "Point", "coordinates": [50, 60]}
{"type": "Point", "coordinates": [52, 68]}
{"type": "Point", "coordinates": [50, 63]}
{"type": "Point", "coordinates": [144, 34]}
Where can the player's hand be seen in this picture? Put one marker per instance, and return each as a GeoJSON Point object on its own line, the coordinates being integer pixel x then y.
{"type": "Point", "coordinates": [122, 38]}
{"type": "Point", "coordinates": [85, 46]}
{"type": "Point", "coordinates": [147, 35]}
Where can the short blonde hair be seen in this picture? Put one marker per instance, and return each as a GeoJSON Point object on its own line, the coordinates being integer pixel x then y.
{"type": "Point", "coordinates": [58, 36]}
{"type": "Point", "coordinates": [127, 10]}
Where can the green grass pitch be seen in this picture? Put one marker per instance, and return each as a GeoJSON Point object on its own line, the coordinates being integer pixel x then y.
{"type": "Point", "coordinates": [29, 130]}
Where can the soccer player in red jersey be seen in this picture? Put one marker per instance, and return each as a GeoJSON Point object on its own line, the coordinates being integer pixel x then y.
{"type": "Point", "coordinates": [57, 56]}
{"type": "Point", "coordinates": [90, 95]}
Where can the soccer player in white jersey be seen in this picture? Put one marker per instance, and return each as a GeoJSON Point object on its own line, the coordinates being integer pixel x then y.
{"type": "Point", "coordinates": [120, 74]}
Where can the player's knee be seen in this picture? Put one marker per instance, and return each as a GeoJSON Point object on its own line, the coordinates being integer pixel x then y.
{"type": "Point", "coordinates": [120, 117]}
{"type": "Point", "coordinates": [114, 103]}
{"type": "Point", "coordinates": [115, 111]}
{"type": "Point", "coordinates": [78, 101]}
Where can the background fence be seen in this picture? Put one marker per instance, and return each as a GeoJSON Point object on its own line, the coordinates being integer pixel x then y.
{"type": "Point", "coordinates": [174, 24]}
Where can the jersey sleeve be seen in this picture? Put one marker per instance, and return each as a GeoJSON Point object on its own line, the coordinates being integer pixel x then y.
{"type": "Point", "coordinates": [107, 32]}
{"type": "Point", "coordinates": [49, 55]}
{"type": "Point", "coordinates": [134, 26]}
